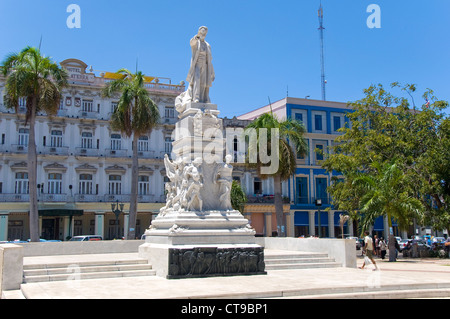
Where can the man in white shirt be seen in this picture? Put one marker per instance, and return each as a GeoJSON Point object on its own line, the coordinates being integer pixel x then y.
{"type": "Point", "coordinates": [368, 248]}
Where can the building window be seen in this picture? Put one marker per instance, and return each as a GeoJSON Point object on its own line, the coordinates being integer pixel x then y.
{"type": "Point", "coordinates": [21, 186]}
{"type": "Point", "coordinates": [114, 106]}
{"type": "Point", "coordinates": [321, 189]}
{"type": "Point", "coordinates": [336, 123]}
{"type": "Point", "coordinates": [88, 106]}
{"type": "Point", "coordinates": [301, 190]}
{"type": "Point", "coordinates": [318, 122]}
{"type": "Point", "coordinates": [86, 140]}
{"type": "Point", "coordinates": [168, 145]}
{"type": "Point", "coordinates": [319, 152]}
{"type": "Point", "coordinates": [23, 136]}
{"type": "Point", "coordinates": [257, 186]}
{"type": "Point", "coordinates": [143, 185]}
{"type": "Point", "coordinates": [56, 139]}
{"type": "Point", "coordinates": [299, 117]}
{"type": "Point", "coordinates": [169, 112]}
{"type": "Point", "coordinates": [143, 144]}
{"type": "Point", "coordinates": [22, 102]}
{"type": "Point", "coordinates": [54, 183]}
{"type": "Point", "coordinates": [116, 141]}
{"type": "Point", "coordinates": [85, 184]}
{"type": "Point", "coordinates": [115, 184]}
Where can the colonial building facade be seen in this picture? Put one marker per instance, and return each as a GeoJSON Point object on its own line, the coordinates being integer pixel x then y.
{"type": "Point", "coordinates": [84, 166]}
{"type": "Point", "coordinates": [322, 120]}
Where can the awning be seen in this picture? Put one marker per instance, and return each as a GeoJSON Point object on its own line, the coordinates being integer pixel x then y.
{"type": "Point", "coordinates": [60, 212]}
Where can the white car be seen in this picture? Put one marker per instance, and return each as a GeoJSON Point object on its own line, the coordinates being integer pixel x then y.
{"type": "Point", "coordinates": [86, 238]}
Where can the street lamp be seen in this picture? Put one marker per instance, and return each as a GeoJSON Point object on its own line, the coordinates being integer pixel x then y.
{"type": "Point", "coordinates": [318, 204]}
{"type": "Point", "coordinates": [117, 211]}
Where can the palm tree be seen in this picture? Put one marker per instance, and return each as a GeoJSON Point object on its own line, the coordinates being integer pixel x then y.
{"type": "Point", "coordinates": [386, 192]}
{"type": "Point", "coordinates": [286, 132]}
{"type": "Point", "coordinates": [39, 81]}
{"type": "Point", "coordinates": [136, 115]}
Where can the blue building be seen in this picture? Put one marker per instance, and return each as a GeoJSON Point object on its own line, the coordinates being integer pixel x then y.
{"type": "Point", "coordinates": [322, 120]}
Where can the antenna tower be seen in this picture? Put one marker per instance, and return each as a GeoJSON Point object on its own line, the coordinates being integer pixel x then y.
{"type": "Point", "coordinates": [321, 28]}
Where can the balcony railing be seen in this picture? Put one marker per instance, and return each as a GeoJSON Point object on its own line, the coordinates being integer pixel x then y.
{"type": "Point", "coordinates": [50, 150]}
{"type": "Point", "coordinates": [116, 153]}
{"type": "Point", "coordinates": [52, 197]}
{"type": "Point", "coordinates": [14, 197]}
{"type": "Point", "coordinates": [80, 151]}
{"type": "Point", "coordinates": [21, 149]}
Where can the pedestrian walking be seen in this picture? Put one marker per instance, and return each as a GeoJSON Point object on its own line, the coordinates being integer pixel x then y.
{"type": "Point", "coordinates": [383, 247]}
{"type": "Point", "coordinates": [368, 250]}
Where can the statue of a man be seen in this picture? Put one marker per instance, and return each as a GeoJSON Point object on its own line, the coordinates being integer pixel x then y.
{"type": "Point", "coordinates": [201, 73]}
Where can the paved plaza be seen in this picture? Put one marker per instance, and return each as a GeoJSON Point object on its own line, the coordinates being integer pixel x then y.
{"type": "Point", "coordinates": [406, 278]}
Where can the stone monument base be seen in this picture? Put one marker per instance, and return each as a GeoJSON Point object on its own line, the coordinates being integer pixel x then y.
{"type": "Point", "coordinates": [185, 244]}
{"type": "Point", "coordinates": [190, 261]}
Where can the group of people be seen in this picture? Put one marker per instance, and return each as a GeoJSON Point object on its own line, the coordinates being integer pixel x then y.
{"type": "Point", "coordinates": [377, 247]}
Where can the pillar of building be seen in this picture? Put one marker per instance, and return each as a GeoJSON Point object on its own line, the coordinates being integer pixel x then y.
{"type": "Point", "coordinates": [99, 221]}
{"type": "Point", "coordinates": [350, 227]}
{"type": "Point", "coordinates": [290, 224]}
{"type": "Point", "coordinates": [126, 222]}
{"type": "Point", "coordinates": [68, 226]}
{"type": "Point", "coordinates": [312, 223]}
{"type": "Point", "coordinates": [3, 226]}
{"type": "Point", "coordinates": [331, 224]}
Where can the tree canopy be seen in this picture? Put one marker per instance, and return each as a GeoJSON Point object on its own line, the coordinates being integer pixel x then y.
{"type": "Point", "coordinates": [388, 129]}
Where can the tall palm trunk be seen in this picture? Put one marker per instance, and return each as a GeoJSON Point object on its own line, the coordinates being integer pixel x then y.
{"type": "Point", "coordinates": [391, 243]}
{"type": "Point", "coordinates": [134, 189]}
{"type": "Point", "coordinates": [32, 176]}
{"type": "Point", "coordinates": [279, 205]}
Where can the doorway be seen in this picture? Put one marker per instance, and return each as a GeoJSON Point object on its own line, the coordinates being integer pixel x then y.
{"type": "Point", "coordinates": [50, 229]}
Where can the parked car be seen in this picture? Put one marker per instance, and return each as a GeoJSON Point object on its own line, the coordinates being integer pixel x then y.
{"type": "Point", "coordinates": [86, 238]}
{"type": "Point", "coordinates": [358, 243]}
{"type": "Point", "coordinates": [403, 244]}
{"type": "Point", "coordinates": [438, 240]}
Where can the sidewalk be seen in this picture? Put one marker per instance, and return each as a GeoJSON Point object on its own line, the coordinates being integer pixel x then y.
{"type": "Point", "coordinates": [406, 278]}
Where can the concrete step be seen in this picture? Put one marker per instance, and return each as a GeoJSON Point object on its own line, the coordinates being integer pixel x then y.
{"type": "Point", "coordinates": [303, 266]}
{"type": "Point", "coordinates": [86, 270]}
{"type": "Point", "coordinates": [282, 260]}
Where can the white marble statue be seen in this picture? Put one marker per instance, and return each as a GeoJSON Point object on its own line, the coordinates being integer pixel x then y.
{"type": "Point", "coordinates": [201, 73]}
{"type": "Point", "coordinates": [224, 177]}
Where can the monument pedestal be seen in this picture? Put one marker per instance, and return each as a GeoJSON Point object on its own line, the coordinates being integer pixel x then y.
{"type": "Point", "coordinates": [182, 244]}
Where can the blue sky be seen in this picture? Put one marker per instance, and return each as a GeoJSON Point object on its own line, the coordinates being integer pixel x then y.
{"type": "Point", "coordinates": [260, 48]}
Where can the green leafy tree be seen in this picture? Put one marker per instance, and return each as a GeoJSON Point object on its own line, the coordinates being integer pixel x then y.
{"type": "Point", "coordinates": [386, 192]}
{"type": "Point", "coordinates": [388, 129]}
{"type": "Point", "coordinates": [136, 114]}
{"type": "Point", "coordinates": [238, 196]}
{"type": "Point", "coordinates": [38, 80]}
{"type": "Point", "coordinates": [288, 132]}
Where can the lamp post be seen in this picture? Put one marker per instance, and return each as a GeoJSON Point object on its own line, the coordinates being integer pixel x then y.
{"type": "Point", "coordinates": [318, 204]}
{"type": "Point", "coordinates": [117, 211]}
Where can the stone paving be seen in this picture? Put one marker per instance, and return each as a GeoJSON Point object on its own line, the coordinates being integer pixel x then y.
{"type": "Point", "coordinates": [406, 278]}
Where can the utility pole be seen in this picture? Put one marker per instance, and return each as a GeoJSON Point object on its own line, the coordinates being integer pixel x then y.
{"type": "Point", "coordinates": [321, 28]}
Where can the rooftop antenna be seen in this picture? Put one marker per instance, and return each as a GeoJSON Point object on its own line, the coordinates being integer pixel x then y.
{"type": "Point", "coordinates": [270, 103]}
{"type": "Point", "coordinates": [321, 28]}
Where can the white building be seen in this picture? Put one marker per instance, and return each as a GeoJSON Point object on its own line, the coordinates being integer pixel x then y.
{"type": "Point", "coordinates": [84, 166]}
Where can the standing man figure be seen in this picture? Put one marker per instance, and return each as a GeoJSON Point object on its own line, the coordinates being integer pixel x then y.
{"type": "Point", "coordinates": [201, 73]}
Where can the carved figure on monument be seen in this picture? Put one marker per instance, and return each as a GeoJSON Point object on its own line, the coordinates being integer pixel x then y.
{"type": "Point", "coordinates": [201, 72]}
{"type": "Point", "coordinates": [223, 176]}
{"type": "Point", "coordinates": [193, 175]}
